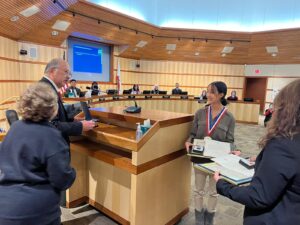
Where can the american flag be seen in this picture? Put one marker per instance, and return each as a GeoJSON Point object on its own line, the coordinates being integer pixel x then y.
{"type": "Point", "coordinates": [119, 84]}
{"type": "Point", "coordinates": [63, 89]}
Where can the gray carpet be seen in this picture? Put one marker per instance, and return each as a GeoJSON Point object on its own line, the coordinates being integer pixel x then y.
{"type": "Point", "coordinates": [228, 212]}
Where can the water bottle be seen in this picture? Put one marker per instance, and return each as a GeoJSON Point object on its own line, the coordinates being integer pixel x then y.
{"type": "Point", "coordinates": [139, 132]}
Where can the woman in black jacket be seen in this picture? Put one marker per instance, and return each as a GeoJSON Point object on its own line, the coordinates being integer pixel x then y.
{"type": "Point", "coordinates": [34, 163]}
{"type": "Point", "coordinates": [273, 196]}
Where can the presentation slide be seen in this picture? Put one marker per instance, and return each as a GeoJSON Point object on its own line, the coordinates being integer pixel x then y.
{"type": "Point", "coordinates": [89, 61]}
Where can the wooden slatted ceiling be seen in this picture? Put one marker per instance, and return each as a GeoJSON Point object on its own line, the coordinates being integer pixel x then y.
{"type": "Point", "coordinates": [24, 25]}
{"type": "Point", "coordinates": [38, 29]}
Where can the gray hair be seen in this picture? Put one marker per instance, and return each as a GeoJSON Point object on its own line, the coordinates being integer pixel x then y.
{"type": "Point", "coordinates": [53, 64]}
{"type": "Point", "coordinates": [38, 103]}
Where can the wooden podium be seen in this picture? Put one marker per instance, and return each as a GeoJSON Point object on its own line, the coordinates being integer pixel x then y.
{"type": "Point", "coordinates": [145, 182]}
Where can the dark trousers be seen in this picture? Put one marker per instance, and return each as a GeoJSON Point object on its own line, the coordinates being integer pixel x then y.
{"type": "Point", "coordinates": [29, 222]}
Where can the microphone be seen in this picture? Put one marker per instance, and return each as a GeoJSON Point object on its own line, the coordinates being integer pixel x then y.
{"type": "Point", "coordinates": [135, 104]}
{"type": "Point", "coordinates": [133, 109]}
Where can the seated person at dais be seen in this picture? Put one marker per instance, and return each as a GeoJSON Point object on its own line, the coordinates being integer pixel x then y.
{"type": "Point", "coordinates": [73, 91]}
{"type": "Point", "coordinates": [268, 114]}
{"type": "Point", "coordinates": [95, 88]}
{"type": "Point", "coordinates": [155, 89]}
{"type": "Point", "coordinates": [232, 96]}
{"type": "Point", "coordinates": [176, 90]}
{"type": "Point", "coordinates": [135, 89]}
{"type": "Point", "coordinates": [203, 95]}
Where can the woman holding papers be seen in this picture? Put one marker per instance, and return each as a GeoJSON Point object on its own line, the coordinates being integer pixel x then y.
{"type": "Point", "coordinates": [217, 123]}
{"type": "Point", "coordinates": [273, 196]}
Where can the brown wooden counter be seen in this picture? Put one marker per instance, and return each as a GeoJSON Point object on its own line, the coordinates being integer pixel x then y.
{"type": "Point", "coordinates": [134, 182]}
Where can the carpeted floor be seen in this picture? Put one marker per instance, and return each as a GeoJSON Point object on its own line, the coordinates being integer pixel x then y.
{"type": "Point", "coordinates": [228, 212]}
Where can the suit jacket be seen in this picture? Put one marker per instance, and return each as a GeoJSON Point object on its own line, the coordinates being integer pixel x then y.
{"type": "Point", "coordinates": [273, 196]}
{"type": "Point", "coordinates": [176, 91]}
{"type": "Point", "coordinates": [72, 90]}
{"type": "Point", "coordinates": [155, 92]}
{"type": "Point", "coordinates": [66, 125]}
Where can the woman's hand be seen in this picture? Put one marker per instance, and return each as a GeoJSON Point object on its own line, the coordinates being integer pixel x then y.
{"type": "Point", "coordinates": [252, 159]}
{"type": "Point", "coordinates": [236, 152]}
{"type": "Point", "coordinates": [187, 146]}
{"type": "Point", "coordinates": [217, 176]}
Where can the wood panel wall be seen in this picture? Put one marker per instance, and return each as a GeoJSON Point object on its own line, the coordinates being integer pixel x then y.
{"type": "Point", "coordinates": [192, 77]}
{"type": "Point", "coordinates": [17, 72]}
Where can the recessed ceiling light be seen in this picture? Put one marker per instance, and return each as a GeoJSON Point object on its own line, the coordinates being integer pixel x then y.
{"type": "Point", "coordinates": [141, 44]}
{"type": "Point", "coordinates": [169, 52]}
{"type": "Point", "coordinates": [135, 49]}
{"type": "Point", "coordinates": [30, 11]}
{"type": "Point", "coordinates": [227, 49]}
{"type": "Point", "coordinates": [274, 54]}
{"type": "Point", "coordinates": [272, 49]}
{"type": "Point", "coordinates": [61, 25]}
{"type": "Point", "coordinates": [54, 33]}
{"type": "Point", "coordinates": [14, 18]}
{"type": "Point", "coordinates": [197, 53]}
{"type": "Point", "coordinates": [171, 47]}
{"type": "Point", "coordinates": [223, 54]}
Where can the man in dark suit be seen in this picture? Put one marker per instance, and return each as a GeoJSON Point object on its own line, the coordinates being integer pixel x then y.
{"type": "Point", "coordinates": [176, 90]}
{"type": "Point", "coordinates": [73, 90]}
{"type": "Point", "coordinates": [56, 75]}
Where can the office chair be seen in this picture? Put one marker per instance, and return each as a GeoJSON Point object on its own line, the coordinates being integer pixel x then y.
{"type": "Point", "coordinates": [11, 116]}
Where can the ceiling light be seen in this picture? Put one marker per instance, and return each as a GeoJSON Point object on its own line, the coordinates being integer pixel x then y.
{"type": "Point", "coordinates": [30, 11]}
{"type": "Point", "coordinates": [14, 18]}
{"type": "Point", "coordinates": [61, 25]}
{"type": "Point", "coordinates": [274, 54]}
{"type": "Point", "coordinates": [135, 49]}
{"type": "Point", "coordinates": [227, 49]}
{"type": "Point", "coordinates": [141, 44]}
{"type": "Point", "coordinates": [54, 33]}
{"type": "Point", "coordinates": [223, 54]}
{"type": "Point", "coordinates": [169, 52]}
{"type": "Point", "coordinates": [272, 49]}
{"type": "Point", "coordinates": [197, 53]}
{"type": "Point", "coordinates": [171, 47]}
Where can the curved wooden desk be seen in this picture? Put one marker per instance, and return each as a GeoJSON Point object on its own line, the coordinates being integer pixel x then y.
{"type": "Point", "coordinates": [141, 182]}
{"type": "Point", "coordinates": [244, 112]}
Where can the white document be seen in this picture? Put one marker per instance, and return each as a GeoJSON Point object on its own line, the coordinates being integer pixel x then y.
{"type": "Point", "coordinates": [216, 148]}
{"type": "Point", "coordinates": [231, 162]}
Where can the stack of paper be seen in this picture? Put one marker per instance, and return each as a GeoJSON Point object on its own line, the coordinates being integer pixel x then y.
{"type": "Point", "coordinates": [230, 169]}
{"type": "Point", "coordinates": [216, 148]}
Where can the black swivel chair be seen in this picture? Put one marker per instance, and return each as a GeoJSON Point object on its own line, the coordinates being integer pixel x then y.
{"type": "Point", "coordinates": [11, 116]}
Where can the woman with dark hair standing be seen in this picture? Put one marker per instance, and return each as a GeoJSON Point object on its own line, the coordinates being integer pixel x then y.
{"type": "Point", "coordinates": [217, 123]}
{"type": "Point", "coordinates": [273, 196]}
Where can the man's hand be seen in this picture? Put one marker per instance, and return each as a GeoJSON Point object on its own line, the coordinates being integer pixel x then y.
{"type": "Point", "coordinates": [87, 125]}
{"type": "Point", "coordinates": [187, 146]}
{"type": "Point", "coordinates": [217, 176]}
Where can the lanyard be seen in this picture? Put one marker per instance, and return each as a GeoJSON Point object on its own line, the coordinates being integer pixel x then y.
{"type": "Point", "coordinates": [210, 129]}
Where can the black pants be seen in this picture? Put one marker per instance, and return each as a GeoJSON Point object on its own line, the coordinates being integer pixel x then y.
{"type": "Point", "coordinates": [28, 222]}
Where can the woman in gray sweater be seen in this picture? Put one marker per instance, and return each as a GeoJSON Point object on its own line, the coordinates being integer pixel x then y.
{"type": "Point", "coordinates": [34, 163]}
{"type": "Point", "coordinates": [216, 122]}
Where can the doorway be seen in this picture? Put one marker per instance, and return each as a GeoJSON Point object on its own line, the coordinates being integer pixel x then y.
{"type": "Point", "coordinates": [255, 88]}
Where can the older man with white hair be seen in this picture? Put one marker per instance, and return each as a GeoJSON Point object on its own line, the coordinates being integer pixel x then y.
{"type": "Point", "coordinates": [57, 74]}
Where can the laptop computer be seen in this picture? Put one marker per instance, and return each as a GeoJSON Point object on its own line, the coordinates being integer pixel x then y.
{"type": "Point", "coordinates": [87, 113]}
